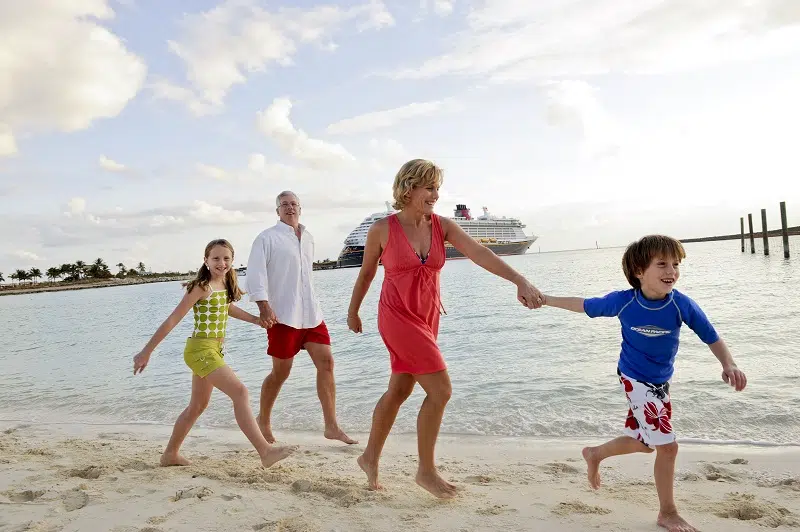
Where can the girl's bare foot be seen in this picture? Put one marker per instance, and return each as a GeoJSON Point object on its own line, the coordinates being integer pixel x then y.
{"type": "Point", "coordinates": [173, 460]}
{"type": "Point", "coordinates": [592, 466]}
{"type": "Point", "coordinates": [372, 472]}
{"type": "Point", "coordinates": [266, 430]}
{"type": "Point", "coordinates": [335, 433]}
{"type": "Point", "coordinates": [674, 523]}
{"type": "Point", "coordinates": [435, 485]}
{"type": "Point", "coordinates": [275, 454]}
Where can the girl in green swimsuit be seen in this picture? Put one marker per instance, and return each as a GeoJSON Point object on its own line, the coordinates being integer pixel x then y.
{"type": "Point", "coordinates": [211, 294]}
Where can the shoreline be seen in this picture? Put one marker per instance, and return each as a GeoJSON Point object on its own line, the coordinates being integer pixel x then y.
{"type": "Point", "coordinates": [106, 283]}
{"type": "Point", "coordinates": [74, 476]}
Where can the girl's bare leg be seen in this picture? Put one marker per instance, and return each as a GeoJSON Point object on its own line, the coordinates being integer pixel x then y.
{"type": "Point", "coordinates": [201, 393]}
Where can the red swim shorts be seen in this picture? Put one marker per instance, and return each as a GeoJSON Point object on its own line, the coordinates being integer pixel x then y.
{"type": "Point", "coordinates": [285, 342]}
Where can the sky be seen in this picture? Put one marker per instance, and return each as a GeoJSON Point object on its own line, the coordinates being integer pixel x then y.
{"type": "Point", "coordinates": [139, 130]}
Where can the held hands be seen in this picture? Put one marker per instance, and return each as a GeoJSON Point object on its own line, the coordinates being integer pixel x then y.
{"type": "Point", "coordinates": [735, 377]}
{"type": "Point", "coordinates": [529, 295]}
{"type": "Point", "coordinates": [267, 317]}
{"type": "Point", "coordinates": [354, 323]}
{"type": "Point", "coordinates": [140, 362]}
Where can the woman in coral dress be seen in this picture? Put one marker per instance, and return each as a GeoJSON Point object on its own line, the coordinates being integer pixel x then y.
{"type": "Point", "coordinates": [410, 244]}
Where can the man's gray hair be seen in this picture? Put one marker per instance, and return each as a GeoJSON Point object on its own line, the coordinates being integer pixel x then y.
{"type": "Point", "coordinates": [284, 194]}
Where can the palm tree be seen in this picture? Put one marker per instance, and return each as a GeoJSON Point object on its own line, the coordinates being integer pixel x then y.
{"type": "Point", "coordinates": [80, 268]}
{"type": "Point", "coordinates": [141, 267]}
{"type": "Point", "coordinates": [14, 277]}
{"type": "Point", "coordinates": [35, 273]}
{"type": "Point", "coordinates": [122, 268]}
{"type": "Point", "coordinates": [53, 273]}
{"type": "Point", "coordinates": [2, 279]}
{"type": "Point", "coordinates": [22, 275]}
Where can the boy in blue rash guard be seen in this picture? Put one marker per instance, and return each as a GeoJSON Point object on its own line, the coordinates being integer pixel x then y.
{"type": "Point", "coordinates": [651, 315]}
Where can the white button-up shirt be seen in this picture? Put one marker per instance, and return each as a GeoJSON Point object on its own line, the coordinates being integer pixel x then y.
{"type": "Point", "coordinates": [279, 271]}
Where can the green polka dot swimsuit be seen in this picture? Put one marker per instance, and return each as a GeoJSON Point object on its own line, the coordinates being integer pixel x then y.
{"type": "Point", "coordinates": [211, 315]}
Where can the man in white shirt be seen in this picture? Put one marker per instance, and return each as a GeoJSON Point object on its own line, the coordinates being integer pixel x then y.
{"type": "Point", "coordinates": [279, 281]}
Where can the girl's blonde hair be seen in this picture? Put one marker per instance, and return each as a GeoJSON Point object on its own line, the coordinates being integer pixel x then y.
{"type": "Point", "coordinates": [414, 173]}
{"type": "Point", "coordinates": [204, 275]}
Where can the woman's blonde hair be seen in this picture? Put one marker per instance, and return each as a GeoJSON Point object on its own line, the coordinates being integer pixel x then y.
{"type": "Point", "coordinates": [204, 275]}
{"type": "Point", "coordinates": [414, 173]}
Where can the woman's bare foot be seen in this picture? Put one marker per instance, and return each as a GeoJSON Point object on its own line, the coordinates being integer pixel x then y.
{"type": "Point", "coordinates": [173, 460]}
{"type": "Point", "coordinates": [335, 433]}
{"type": "Point", "coordinates": [436, 485]}
{"type": "Point", "coordinates": [275, 454]}
{"type": "Point", "coordinates": [674, 523]}
{"type": "Point", "coordinates": [266, 430]}
{"type": "Point", "coordinates": [592, 466]}
{"type": "Point", "coordinates": [372, 472]}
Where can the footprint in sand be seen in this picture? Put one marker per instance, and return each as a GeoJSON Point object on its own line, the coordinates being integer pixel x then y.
{"type": "Point", "coordinates": [89, 472]}
{"type": "Point", "coordinates": [198, 492]}
{"type": "Point", "coordinates": [739, 461]}
{"type": "Point", "coordinates": [497, 509]}
{"type": "Point", "coordinates": [559, 468]}
{"type": "Point", "coordinates": [746, 507]}
{"type": "Point", "coordinates": [24, 496]}
{"type": "Point", "coordinates": [578, 507]}
{"type": "Point", "coordinates": [74, 499]}
{"type": "Point", "coordinates": [288, 524]}
{"type": "Point", "coordinates": [479, 479]}
{"type": "Point", "coordinates": [718, 473]}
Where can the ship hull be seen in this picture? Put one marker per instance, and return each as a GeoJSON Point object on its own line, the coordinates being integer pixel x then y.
{"type": "Point", "coordinates": [353, 256]}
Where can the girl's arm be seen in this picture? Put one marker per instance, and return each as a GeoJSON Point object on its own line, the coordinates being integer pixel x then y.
{"type": "Point", "coordinates": [575, 304]}
{"type": "Point", "coordinates": [239, 314]}
{"type": "Point", "coordinates": [369, 267]}
{"type": "Point", "coordinates": [484, 257]}
{"type": "Point", "coordinates": [140, 360]}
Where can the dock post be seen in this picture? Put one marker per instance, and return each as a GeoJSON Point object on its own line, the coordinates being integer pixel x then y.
{"type": "Point", "coordinates": [784, 231]}
{"type": "Point", "coordinates": [750, 224]}
{"type": "Point", "coordinates": [764, 232]}
{"type": "Point", "coordinates": [741, 224]}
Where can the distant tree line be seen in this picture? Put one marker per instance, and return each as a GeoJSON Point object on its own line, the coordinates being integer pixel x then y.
{"type": "Point", "coordinates": [76, 271]}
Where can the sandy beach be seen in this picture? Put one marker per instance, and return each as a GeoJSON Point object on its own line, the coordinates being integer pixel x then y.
{"type": "Point", "coordinates": [100, 477]}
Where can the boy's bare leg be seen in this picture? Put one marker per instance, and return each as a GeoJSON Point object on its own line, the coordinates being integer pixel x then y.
{"type": "Point", "coordinates": [615, 447]}
{"type": "Point", "coordinates": [664, 471]}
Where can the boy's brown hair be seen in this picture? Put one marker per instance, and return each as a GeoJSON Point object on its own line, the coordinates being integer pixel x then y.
{"type": "Point", "coordinates": [640, 254]}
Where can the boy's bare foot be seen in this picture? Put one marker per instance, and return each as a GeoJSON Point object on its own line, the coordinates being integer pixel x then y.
{"type": "Point", "coordinates": [372, 472]}
{"type": "Point", "coordinates": [336, 433]}
{"type": "Point", "coordinates": [592, 466]}
{"type": "Point", "coordinates": [436, 485]}
{"type": "Point", "coordinates": [173, 460]}
{"type": "Point", "coordinates": [266, 430]}
{"type": "Point", "coordinates": [674, 523]}
{"type": "Point", "coordinates": [275, 454]}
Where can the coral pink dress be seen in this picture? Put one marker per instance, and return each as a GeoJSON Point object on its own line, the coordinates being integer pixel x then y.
{"type": "Point", "coordinates": [409, 307]}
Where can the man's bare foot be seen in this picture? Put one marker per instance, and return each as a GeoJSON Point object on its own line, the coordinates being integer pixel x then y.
{"type": "Point", "coordinates": [275, 454]}
{"type": "Point", "coordinates": [674, 523]}
{"type": "Point", "coordinates": [592, 466]}
{"type": "Point", "coordinates": [338, 434]}
{"type": "Point", "coordinates": [372, 472]}
{"type": "Point", "coordinates": [266, 430]}
{"type": "Point", "coordinates": [173, 460]}
{"type": "Point", "coordinates": [436, 485]}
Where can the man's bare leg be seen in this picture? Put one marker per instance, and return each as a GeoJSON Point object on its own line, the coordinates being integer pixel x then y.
{"type": "Point", "coordinates": [326, 390]}
{"type": "Point", "coordinates": [269, 393]}
{"type": "Point", "coordinates": [400, 387]}
{"type": "Point", "coordinates": [615, 447]}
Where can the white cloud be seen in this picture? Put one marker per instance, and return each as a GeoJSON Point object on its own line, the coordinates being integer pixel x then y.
{"type": "Point", "coordinates": [213, 172]}
{"type": "Point", "coordinates": [62, 69]}
{"type": "Point", "coordinates": [111, 165]}
{"type": "Point", "coordinates": [275, 123]}
{"type": "Point", "coordinates": [256, 162]}
{"type": "Point", "coordinates": [221, 47]}
{"type": "Point", "coordinates": [76, 206]}
{"type": "Point", "coordinates": [216, 214]}
{"type": "Point", "coordinates": [389, 117]}
{"type": "Point", "coordinates": [27, 255]}
{"type": "Point", "coordinates": [508, 40]}
{"type": "Point", "coordinates": [440, 7]}
{"type": "Point", "coordinates": [572, 104]}
{"type": "Point", "coordinates": [8, 145]}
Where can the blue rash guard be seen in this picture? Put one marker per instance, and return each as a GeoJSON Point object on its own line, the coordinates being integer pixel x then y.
{"type": "Point", "coordinates": [651, 330]}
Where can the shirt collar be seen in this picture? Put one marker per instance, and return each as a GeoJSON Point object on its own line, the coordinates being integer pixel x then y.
{"type": "Point", "coordinates": [286, 228]}
{"type": "Point", "coordinates": [654, 305]}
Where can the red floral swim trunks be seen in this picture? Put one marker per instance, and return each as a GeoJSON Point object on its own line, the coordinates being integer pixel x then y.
{"type": "Point", "coordinates": [649, 411]}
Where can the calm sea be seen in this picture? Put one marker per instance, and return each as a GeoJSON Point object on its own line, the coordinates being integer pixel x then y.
{"type": "Point", "coordinates": [66, 356]}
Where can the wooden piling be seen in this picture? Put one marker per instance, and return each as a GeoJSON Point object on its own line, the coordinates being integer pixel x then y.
{"type": "Point", "coordinates": [784, 231]}
{"type": "Point", "coordinates": [764, 234]}
{"type": "Point", "coordinates": [741, 224]}
{"type": "Point", "coordinates": [750, 225]}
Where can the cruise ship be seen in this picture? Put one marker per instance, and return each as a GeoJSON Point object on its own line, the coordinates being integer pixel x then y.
{"type": "Point", "coordinates": [504, 236]}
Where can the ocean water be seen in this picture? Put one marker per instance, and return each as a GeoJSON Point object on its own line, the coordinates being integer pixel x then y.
{"type": "Point", "coordinates": [67, 356]}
